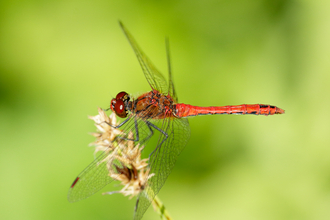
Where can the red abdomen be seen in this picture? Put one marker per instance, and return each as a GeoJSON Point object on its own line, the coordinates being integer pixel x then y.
{"type": "Point", "coordinates": [183, 110]}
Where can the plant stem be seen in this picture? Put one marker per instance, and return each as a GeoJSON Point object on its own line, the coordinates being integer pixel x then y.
{"type": "Point", "coordinates": [160, 209]}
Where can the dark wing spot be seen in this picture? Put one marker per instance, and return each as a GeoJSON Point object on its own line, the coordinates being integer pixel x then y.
{"type": "Point", "coordinates": [74, 182]}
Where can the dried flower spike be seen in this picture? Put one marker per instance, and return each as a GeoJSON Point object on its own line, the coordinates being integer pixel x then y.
{"type": "Point", "coordinates": [106, 134]}
{"type": "Point", "coordinates": [124, 161]}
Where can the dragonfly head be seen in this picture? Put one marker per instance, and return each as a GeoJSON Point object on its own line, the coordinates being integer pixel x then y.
{"type": "Point", "coordinates": [119, 105]}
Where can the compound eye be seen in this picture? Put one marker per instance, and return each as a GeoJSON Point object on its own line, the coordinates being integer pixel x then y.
{"type": "Point", "coordinates": [112, 105]}
{"type": "Point", "coordinates": [122, 96]}
{"type": "Point", "coordinates": [119, 109]}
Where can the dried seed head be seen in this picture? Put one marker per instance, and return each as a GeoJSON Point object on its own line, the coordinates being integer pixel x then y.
{"type": "Point", "coordinates": [105, 134]}
{"type": "Point", "coordinates": [124, 155]}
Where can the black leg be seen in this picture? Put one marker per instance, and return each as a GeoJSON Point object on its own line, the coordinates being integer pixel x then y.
{"type": "Point", "coordinates": [161, 131]}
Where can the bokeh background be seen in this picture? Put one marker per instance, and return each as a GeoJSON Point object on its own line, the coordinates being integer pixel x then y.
{"type": "Point", "coordinates": [60, 60]}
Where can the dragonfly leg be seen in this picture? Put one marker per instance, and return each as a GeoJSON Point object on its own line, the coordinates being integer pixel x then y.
{"type": "Point", "coordinates": [118, 126]}
{"type": "Point", "coordinates": [137, 132]}
{"type": "Point", "coordinates": [121, 124]}
{"type": "Point", "coordinates": [161, 131]}
{"type": "Point", "coordinates": [149, 124]}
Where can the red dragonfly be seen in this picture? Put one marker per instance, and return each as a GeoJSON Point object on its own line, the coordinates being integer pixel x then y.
{"type": "Point", "coordinates": [157, 110]}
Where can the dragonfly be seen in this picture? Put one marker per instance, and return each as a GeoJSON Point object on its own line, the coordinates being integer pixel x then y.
{"type": "Point", "coordinates": [157, 111]}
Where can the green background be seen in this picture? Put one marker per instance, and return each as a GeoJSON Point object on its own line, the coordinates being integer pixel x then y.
{"type": "Point", "coordinates": [60, 60]}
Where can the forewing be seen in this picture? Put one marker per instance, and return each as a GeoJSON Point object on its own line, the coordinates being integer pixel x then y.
{"type": "Point", "coordinates": [155, 79]}
{"type": "Point", "coordinates": [171, 89]}
{"type": "Point", "coordinates": [162, 160]}
{"type": "Point", "coordinates": [93, 178]}
{"type": "Point", "coordinates": [96, 175]}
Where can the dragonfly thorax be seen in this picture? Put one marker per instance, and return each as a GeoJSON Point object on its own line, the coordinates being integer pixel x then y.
{"type": "Point", "coordinates": [119, 105]}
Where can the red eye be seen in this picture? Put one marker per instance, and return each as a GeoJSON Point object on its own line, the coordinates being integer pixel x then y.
{"type": "Point", "coordinates": [112, 105]}
{"type": "Point", "coordinates": [119, 104]}
{"type": "Point", "coordinates": [122, 96]}
{"type": "Point", "coordinates": [119, 108]}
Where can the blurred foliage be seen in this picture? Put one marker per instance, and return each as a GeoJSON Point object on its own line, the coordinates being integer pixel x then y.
{"type": "Point", "coordinates": [60, 60]}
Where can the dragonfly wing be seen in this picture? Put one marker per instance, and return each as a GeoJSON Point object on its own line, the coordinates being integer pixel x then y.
{"type": "Point", "coordinates": [96, 175]}
{"type": "Point", "coordinates": [93, 178]}
{"type": "Point", "coordinates": [162, 160]}
{"type": "Point", "coordinates": [155, 79]}
{"type": "Point", "coordinates": [171, 89]}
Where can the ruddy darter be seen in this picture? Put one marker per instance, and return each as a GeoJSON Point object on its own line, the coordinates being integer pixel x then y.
{"type": "Point", "coordinates": [154, 111]}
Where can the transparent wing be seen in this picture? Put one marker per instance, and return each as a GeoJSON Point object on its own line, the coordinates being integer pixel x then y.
{"type": "Point", "coordinates": [155, 79]}
{"type": "Point", "coordinates": [162, 160]}
{"type": "Point", "coordinates": [171, 89]}
{"type": "Point", "coordinates": [93, 178]}
{"type": "Point", "coordinates": [96, 175]}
